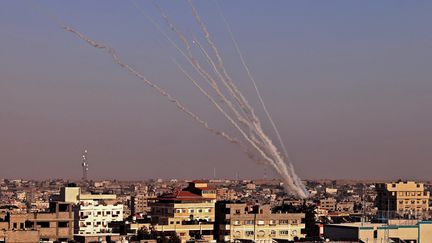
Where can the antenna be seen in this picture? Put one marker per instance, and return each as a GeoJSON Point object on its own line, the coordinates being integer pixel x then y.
{"type": "Point", "coordinates": [84, 165]}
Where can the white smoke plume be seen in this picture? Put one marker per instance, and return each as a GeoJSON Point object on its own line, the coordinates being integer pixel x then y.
{"type": "Point", "coordinates": [222, 93]}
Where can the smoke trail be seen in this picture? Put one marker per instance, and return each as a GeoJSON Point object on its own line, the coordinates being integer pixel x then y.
{"type": "Point", "coordinates": [161, 91]}
{"type": "Point", "coordinates": [293, 183]}
{"type": "Point", "coordinates": [259, 146]}
{"type": "Point", "coordinates": [255, 143]}
{"type": "Point", "coordinates": [247, 138]}
{"type": "Point", "coordinates": [256, 138]}
{"type": "Point", "coordinates": [238, 96]}
{"type": "Point", "coordinates": [196, 65]}
{"type": "Point", "coordinates": [254, 83]}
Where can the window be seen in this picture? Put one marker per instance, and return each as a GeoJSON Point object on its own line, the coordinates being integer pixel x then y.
{"type": "Point", "coordinates": [249, 222]}
{"type": "Point", "coordinates": [237, 222]}
{"type": "Point", "coordinates": [43, 224]}
{"type": "Point", "coordinates": [249, 233]}
{"type": "Point", "coordinates": [29, 224]}
{"type": "Point", "coordinates": [273, 232]}
{"type": "Point", "coordinates": [237, 211]}
{"type": "Point", "coordinates": [272, 222]}
{"type": "Point", "coordinates": [283, 232]}
{"type": "Point", "coordinates": [63, 224]}
{"type": "Point", "coordinates": [283, 221]}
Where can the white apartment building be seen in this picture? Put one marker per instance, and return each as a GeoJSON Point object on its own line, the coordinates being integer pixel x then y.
{"type": "Point", "coordinates": [93, 212]}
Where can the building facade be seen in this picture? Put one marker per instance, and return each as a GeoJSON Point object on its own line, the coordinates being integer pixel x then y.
{"type": "Point", "coordinates": [419, 232]}
{"type": "Point", "coordinates": [189, 213]}
{"type": "Point", "coordinates": [238, 222]}
{"type": "Point", "coordinates": [328, 204]}
{"type": "Point", "coordinates": [54, 225]}
{"type": "Point", "coordinates": [139, 204]}
{"type": "Point", "coordinates": [403, 198]}
{"type": "Point", "coordinates": [94, 213]}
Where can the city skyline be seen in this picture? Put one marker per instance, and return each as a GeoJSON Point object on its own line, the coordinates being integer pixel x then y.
{"type": "Point", "coordinates": [350, 94]}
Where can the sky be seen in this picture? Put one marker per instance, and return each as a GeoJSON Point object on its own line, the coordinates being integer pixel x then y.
{"type": "Point", "coordinates": [347, 82]}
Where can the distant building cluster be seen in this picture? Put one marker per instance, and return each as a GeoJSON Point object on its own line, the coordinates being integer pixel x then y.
{"type": "Point", "coordinates": [213, 211]}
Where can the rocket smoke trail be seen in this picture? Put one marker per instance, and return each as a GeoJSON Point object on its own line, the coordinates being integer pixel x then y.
{"type": "Point", "coordinates": [252, 79]}
{"type": "Point", "coordinates": [222, 92]}
{"type": "Point", "coordinates": [246, 118]}
{"type": "Point", "coordinates": [264, 143]}
{"type": "Point", "coordinates": [161, 91]}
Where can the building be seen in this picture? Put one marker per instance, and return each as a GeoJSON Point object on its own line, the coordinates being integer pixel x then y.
{"type": "Point", "coordinates": [238, 222]}
{"type": "Point", "coordinates": [94, 213]}
{"type": "Point", "coordinates": [139, 204]}
{"type": "Point", "coordinates": [22, 236]}
{"type": "Point", "coordinates": [328, 204]}
{"type": "Point", "coordinates": [189, 213]}
{"type": "Point", "coordinates": [403, 198]}
{"type": "Point", "coordinates": [419, 232]}
{"type": "Point", "coordinates": [347, 207]}
{"type": "Point", "coordinates": [54, 225]}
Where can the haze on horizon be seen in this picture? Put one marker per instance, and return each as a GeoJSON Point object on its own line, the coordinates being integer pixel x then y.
{"type": "Point", "coordinates": [349, 85]}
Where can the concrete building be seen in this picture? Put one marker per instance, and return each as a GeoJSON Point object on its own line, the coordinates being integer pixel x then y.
{"type": "Point", "coordinates": [403, 198]}
{"type": "Point", "coordinates": [328, 204]}
{"type": "Point", "coordinates": [347, 207]}
{"type": "Point", "coordinates": [54, 225]}
{"type": "Point", "coordinates": [420, 232]}
{"type": "Point", "coordinates": [189, 213]}
{"type": "Point", "coordinates": [93, 212]}
{"type": "Point", "coordinates": [139, 204]}
{"type": "Point", "coordinates": [237, 222]}
{"type": "Point", "coordinates": [22, 236]}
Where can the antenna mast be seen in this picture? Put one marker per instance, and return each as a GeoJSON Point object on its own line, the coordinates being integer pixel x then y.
{"type": "Point", "coordinates": [84, 165]}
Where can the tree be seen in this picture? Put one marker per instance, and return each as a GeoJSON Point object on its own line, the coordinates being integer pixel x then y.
{"type": "Point", "coordinates": [174, 239]}
{"type": "Point", "coordinates": [144, 234]}
{"type": "Point", "coordinates": [169, 238]}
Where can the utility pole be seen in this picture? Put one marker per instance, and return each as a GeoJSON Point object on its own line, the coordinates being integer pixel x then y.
{"type": "Point", "coordinates": [254, 231]}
